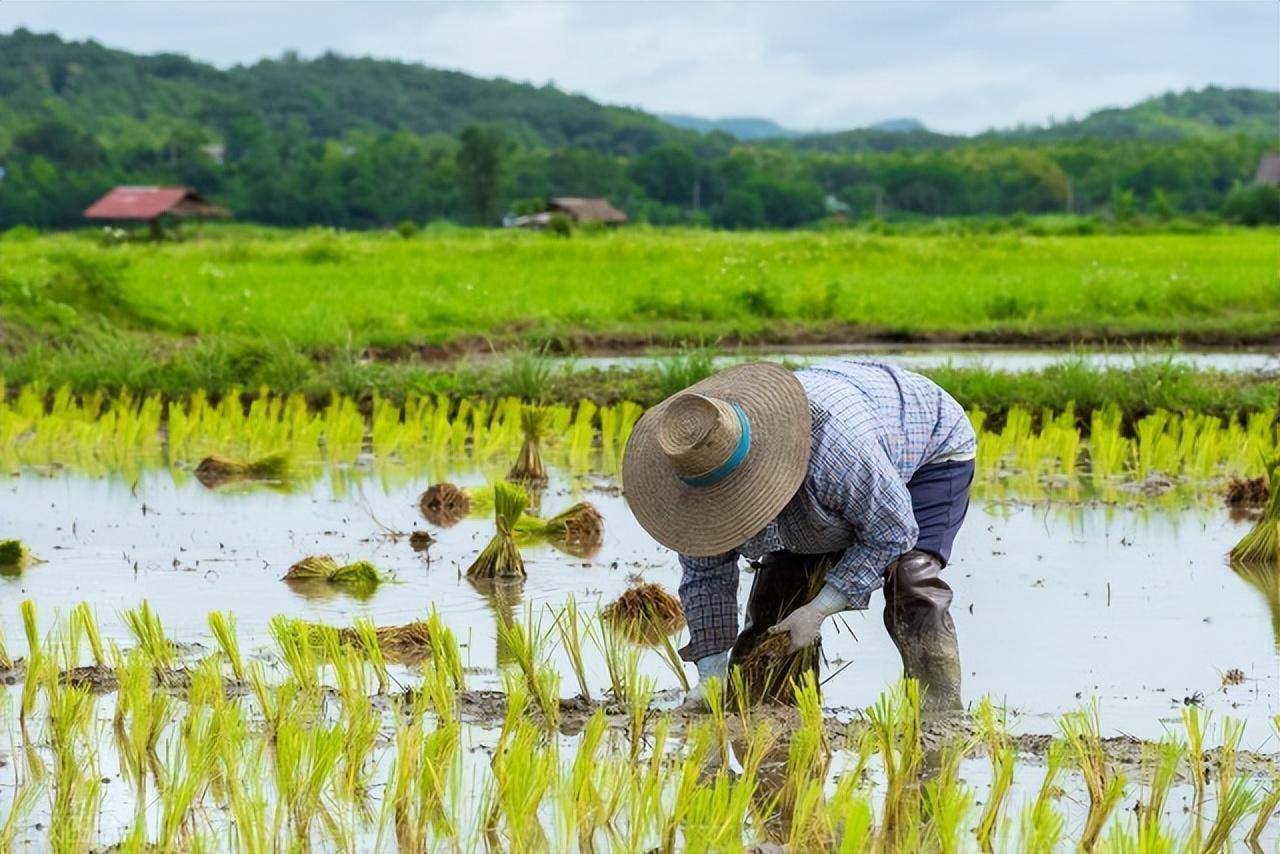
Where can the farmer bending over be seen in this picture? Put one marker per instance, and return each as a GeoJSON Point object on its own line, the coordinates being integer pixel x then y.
{"type": "Point", "coordinates": [855, 469]}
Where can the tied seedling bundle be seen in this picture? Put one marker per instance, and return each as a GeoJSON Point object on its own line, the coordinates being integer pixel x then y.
{"type": "Point", "coordinates": [1262, 544]}
{"type": "Point", "coordinates": [578, 530]}
{"type": "Point", "coordinates": [216, 470]}
{"type": "Point", "coordinates": [501, 557]}
{"type": "Point", "coordinates": [529, 468]}
{"type": "Point", "coordinates": [645, 614]}
{"type": "Point", "coordinates": [360, 578]}
{"type": "Point", "coordinates": [769, 670]}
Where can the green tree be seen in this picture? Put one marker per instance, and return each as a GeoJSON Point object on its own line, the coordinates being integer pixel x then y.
{"type": "Point", "coordinates": [668, 173]}
{"type": "Point", "coordinates": [480, 159]}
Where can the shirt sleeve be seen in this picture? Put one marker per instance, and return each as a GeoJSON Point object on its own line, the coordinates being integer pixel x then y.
{"type": "Point", "coordinates": [857, 481]}
{"type": "Point", "coordinates": [709, 597]}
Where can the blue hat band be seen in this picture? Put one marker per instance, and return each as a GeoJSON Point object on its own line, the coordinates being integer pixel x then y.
{"type": "Point", "coordinates": [730, 465]}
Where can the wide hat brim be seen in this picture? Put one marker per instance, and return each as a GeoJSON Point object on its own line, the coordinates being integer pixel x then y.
{"type": "Point", "coordinates": [701, 521]}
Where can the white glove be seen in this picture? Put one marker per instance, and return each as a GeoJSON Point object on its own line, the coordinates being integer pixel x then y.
{"type": "Point", "coordinates": [713, 666]}
{"type": "Point", "coordinates": [805, 622]}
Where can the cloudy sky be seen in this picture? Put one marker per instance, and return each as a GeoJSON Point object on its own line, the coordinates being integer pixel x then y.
{"type": "Point", "coordinates": [958, 66]}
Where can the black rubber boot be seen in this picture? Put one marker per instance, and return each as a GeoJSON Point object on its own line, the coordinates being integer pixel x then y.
{"type": "Point", "coordinates": [918, 617]}
{"type": "Point", "coordinates": [783, 582]}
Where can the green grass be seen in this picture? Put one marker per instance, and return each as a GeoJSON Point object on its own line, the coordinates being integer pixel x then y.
{"type": "Point", "coordinates": [324, 292]}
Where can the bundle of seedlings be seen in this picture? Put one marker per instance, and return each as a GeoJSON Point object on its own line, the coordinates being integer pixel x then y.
{"type": "Point", "coordinates": [578, 530]}
{"type": "Point", "coordinates": [1262, 544]}
{"type": "Point", "coordinates": [770, 670]}
{"type": "Point", "coordinates": [529, 468]}
{"type": "Point", "coordinates": [216, 470]}
{"type": "Point", "coordinates": [360, 578]}
{"type": "Point", "coordinates": [407, 644]}
{"type": "Point", "coordinates": [645, 614]}
{"type": "Point", "coordinates": [444, 504]}
{"type": "Point", "coordinates": [501, 557]}
{"type": "Point", "coordinates": [15, 557]}
{"type": "Point", "coordinates": [420, 541]}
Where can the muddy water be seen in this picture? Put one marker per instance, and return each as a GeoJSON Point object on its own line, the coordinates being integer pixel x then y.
{"type": "Point", "coordinates": [993, 358]}
{"type": "Point", "coordinates": [1134, 606]}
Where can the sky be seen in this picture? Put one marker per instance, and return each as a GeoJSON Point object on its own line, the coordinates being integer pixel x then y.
{"type": "Point", "coordinates": [958, 66]}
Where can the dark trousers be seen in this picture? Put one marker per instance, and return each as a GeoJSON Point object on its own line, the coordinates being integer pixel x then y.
{"type": "Point", "coordinates": [785, 580]}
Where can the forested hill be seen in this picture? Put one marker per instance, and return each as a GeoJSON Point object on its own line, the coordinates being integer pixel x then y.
{"type": "Point", "coordinates": [124, 99]}
{"type": "Point", "coordinates": [361, 143]}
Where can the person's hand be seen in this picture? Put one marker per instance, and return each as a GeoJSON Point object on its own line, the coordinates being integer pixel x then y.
{"type": "Point", "coordinates": [805, 623]}
{"type": "Point", "coordinates": [713, 666]}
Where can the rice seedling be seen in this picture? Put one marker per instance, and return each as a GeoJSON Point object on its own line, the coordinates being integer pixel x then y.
{"type": "Point", "coordinates": [947, 803]}
{"type": "Point", "coordinates": [189, 762]}
{"type": "Point", "coordinates": [1196, 729]}
{"type": "Point", "coordinates": [294, 640]}
{"type": "Point", "coordinates": [358, 720]}
{"type": "Point", "coordinates": [1001, 753]}
{"type": "Point", "coordinates": [306, 758]}
{"type": "Point", "coordinates": [141, 715]}
{"type": "Point", "coordinates": [444, 504]}
{"type": "Point", "coordinates": [21, 804]}
{"type": "Point", "coordinates": [501, 557]}
{"type": "Point", "coordinates": [523, 774]}
{"type": "Point", "coordinates": [645, 614]}
{"type": "Point", "coordinates": [223, 628]}
{"type": "Point", "coordinates": [77, 781]}
{"type": "Point", "coordinates": [445, 655]}
{"type": "Point", "coordinates": [30, 685]}
{"type": "Point", "coordinates": [617, 655]}
{"type": "Point", "coordinates": [583, 790]}
{"type": "Point", "coordinates": [770, 668]}
{"type": "Point", "coordinates": [1266, 810]}
{"type": "Point", "coordinates": [360, 578]}
{"type": "Point", "coordinates": [1163, 760]}
{"type": "Point", "coordinates": [144, 624]}
{"type": "Point", "coordinates": [1081, 729]}
{"type": "Point", "coordinates": [640, 693]}
{"type": "Point", "coordinates": [15, 557]}
{"type": "Point", "coordinates": [526, 642]}
{"type": "Point", "coordinates": [1236, 800]}
{"type": "Point", "coordinates": [1262, 543]}
{"type": "Point", "coordinates": [6, 660]}
{"type": "Point", "coordinates": [573, 632]}
{"type": "Point", "coordinates": [369, 639]}
{"type": "Point", "coordinates": [895, 721]}
{"type": "Point", "coordinates": [529, 468]}
{"type": "Point", "coordinates": [421, 781]}
{"type": "Point", "coordinates": [83, 617]}
{"type": "Point", "coordinates": [215, 470]}
{"type": "Point", "coordinates": [807, 757]}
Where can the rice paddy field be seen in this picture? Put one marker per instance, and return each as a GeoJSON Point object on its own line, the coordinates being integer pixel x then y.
{"type": "Point", "coordinates": [274, 627]}
{"type": "Point", "coordinates": [320, 289]}
{"type": "Point", "coordinates": [274, 575]}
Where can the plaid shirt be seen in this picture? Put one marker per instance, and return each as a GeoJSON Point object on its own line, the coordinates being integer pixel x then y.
{"type": "Point", "coordinates": [874, 425]}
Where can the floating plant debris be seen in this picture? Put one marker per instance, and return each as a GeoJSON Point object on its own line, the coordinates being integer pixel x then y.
{"type": "Point", "coordinates": [444, 504]}
{"type": "Point", "coordinates": [217, 470]}
{"type": "Point", "coordinates": [15, 556]}
{"type": "Point", "coordinates": [645, 614]}
{"type": "Point", "coordinates": [407, 644]}
{"type": "Point", "coordinates": [501, 557]}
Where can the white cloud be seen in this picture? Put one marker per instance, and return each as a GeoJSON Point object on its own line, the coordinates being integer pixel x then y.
{"type": "Point", "coordinates": [959, 66]}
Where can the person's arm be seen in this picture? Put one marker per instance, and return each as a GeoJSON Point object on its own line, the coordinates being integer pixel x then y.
{"type": "Point", "coordinates": [862, 485]}
{"type": "Point", "coordinates": [709, 597]}
{"type": "Point", "coordinates": [856, 481]}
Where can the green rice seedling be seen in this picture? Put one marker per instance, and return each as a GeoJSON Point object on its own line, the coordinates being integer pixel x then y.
{"type": "Point", "coordinates": [31, 684]}
{"type": "Point", "coordinates": [501, 557]}
{"type": "Point", "coordinates": [21, 803]}
{"type": "Point", "coordinates": [572, 633]}
{"type": "Point", "coordinates": [6, 660]}
{"type": "Point", "coordinates": [445, 654]}
{"type": "Point", "coordinates": [77, 782]}
{"type": "Point", "coordinates": [223, 628]}
{"type": "Point", "coordinates": [947, 803]}
{"type": "Point", "coordinates": [671, 657]}
{"type": "Point", "coordinates": [1196, 729]}
{"type": "Point", "coordinates": [15, 557]}
{"type": "Point", "coordinates": [1238, 798]}
{"type": "Point", "coordinates": [1082, 731]}
{"type": "Point", "coordinates": [360, 578]}
{"type": "Point", "coordinates": [526, 642]}
{"type": "Point", "coordinates": [1001, 753]}
{"type": "Point", "coordinates": [371, 645]}
{"type": "Point", "coordinates": [582, 436]}
{"type": "Point", "coordinates": [523, 774]}
{"type": "Point", "coordinates": [83, 616]}
{"type": "Point", "coordinates": [1267, 805]}
{"type": "Point", "coordinates": [615, 653]}
{"type": "Point", "coordinates": [1164, 758]}
{"type": "Point", "coordinates": [583, 789]}
{"type": "Point", "coordinates": [699, 742]}
{"type": "Point", "coordinates": [145, 626]}
{"type": "Point", "coordinates": [854, 817]}
{"type": "Point", "coordinates": [421, 781]}
{"type": "Point", "coordinates": [215, 470]}
{"type": "Point", "coordinates": [141, 716]}
{"type": "Point", "coordinates": [528, 467]}
{"type": "Point", "coordinates": [294, 641]}
{"type": "Point", "coordinates": [645, 613]}
{"type": "Point", "coordinates": [306, 759]}
{"type": "Point", "coordinates": [639, 696]}
{"type": "Point", "coordinates": [359, 722]}
{"type": "Point", "coordinates": [895, 720]}
{"type": "Point", "coordinates": [1262, 544]}
{"type": "Point", "coordinates": [242, 763]}
{"type": "Point", "coordinates": [807, 757]}
{"type": "Point", "coordinates": [190, 761]}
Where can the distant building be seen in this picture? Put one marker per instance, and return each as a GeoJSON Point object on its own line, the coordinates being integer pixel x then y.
{"type": "Point", "coordinates": [1268, 170]}
{"type": "Point", "coordinates": [576, 211]}
{"type": "Point", "coordinates": [587, 210]}
{"type": "Point", "coordinates": [150, 204]}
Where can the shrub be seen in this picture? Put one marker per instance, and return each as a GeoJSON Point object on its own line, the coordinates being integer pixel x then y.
{"type": "Point", "coordinates": [559, 225]}
{"type": "Point", "coordinates": [406, 228]}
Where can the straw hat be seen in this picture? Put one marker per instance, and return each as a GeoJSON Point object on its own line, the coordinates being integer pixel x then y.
{"type": "Point", "coordinates": [708, 468]}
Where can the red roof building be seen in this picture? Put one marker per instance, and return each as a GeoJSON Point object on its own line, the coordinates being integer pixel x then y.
{"type": "Point", "coordinates": [150, 203]}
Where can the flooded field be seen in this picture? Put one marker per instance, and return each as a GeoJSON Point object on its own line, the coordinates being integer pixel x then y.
{"type": "Point", "coordinates": [1075, 585]}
